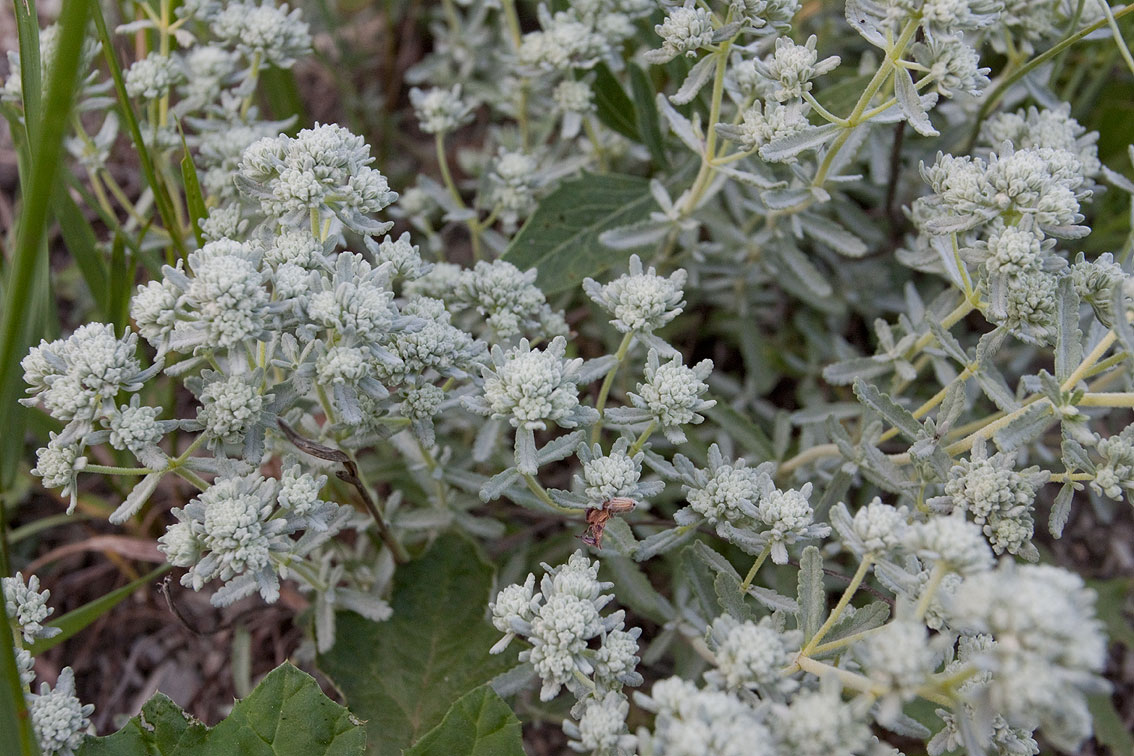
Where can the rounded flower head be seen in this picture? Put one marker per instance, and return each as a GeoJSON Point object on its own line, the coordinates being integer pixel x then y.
{"type": "Point", "coordinates": [751, 654]}
{"type": "Point", "coordinates": [439, 111]}
{"type": "Point", "coordinates": [230, 407]}
{"type": "Point", "coordinates": [226, 293]}
{"type": "Point", "coordinates": [820, 723]}
{"type": "Point", "coordinates": [685, 30]}
{"type": "Point", "coordinates": [264, 31]}
{"type": "Point", "coordinates": [59, 718]}
{"type": "Point", "coordinates": [1114, 476]}
{"type": "Point", "coordinates": [729, 492]}
{"type": "Point", "coordinates": [953, 65]}
{"type": "Point", "coordinates": [26, 606]}
{"type": "Point", "coordinates": [997, 497]}
{"type": "Point", "coordinates": [615, 474]}
{"type": "Point", "coordinates": [508, 296]}
{"type": "Point", "coordinates": [956, 542]}
{"type": "Point", "coordinates": [765, 122]}
{"type": "Point", "coordinates": [640, 301]}
{"type": "Point", "coordinates": [602, 726]}
{"type": "Point", "coordinates": [531, 387]}
{"type": "Point", "coordinates": [136, 427]}
{"type": "Point", "coordinates": [670, 397]}
{"type": "Point", "coordinates": [793, 67]}
{"type": "Point", "coordinates": [879, 526]}
{"type": "Point", "coordinates": [152, 76]}
{"type": "Point", "coordinates": [58, 465]}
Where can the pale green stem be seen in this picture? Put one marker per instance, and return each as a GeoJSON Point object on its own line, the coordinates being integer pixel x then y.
{"type": "Point", "coordinates": [608, 381]}
{"type": "Point", "coordinates": [848, 594]}
{"type": "Point", "coordinates": [642, 439]}
{"type": "Point", "coordinates": [755, 568]}
{"type": "Point", "coordinates": [541, 493]}
{"type": "Point", "coordinates": [935, 578]}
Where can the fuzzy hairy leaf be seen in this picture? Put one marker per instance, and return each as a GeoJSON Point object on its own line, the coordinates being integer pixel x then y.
{"type": "Point", "coordinates": [479, 723]}
{"type": "Point", "coordinates": [811, 595]}
{"type": "Point", "coordinates": [403, 675]}
{"type": "Point", "coordinates": [286, 715]}
{"type": "Point", "coordinates": [881, 403]}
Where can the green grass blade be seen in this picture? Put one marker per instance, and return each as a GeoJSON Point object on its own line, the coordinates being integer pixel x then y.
{"type": "Point", "coordinates": [31, 71]}
{"type": "Point", "coordinates": [161, 192]}
{"type": "Point", "coordinates": [122, 269]}
{"type": "Point", "coordinates": [19, 299]}
{"type": "Point", "coordinates": [74, 621]}
{"type": "Point", "coordinates": [194, 199]}
{"type": "Point", "coordinates": [82, 244]}
{"type": "Point", "coordinates": [282, 96]}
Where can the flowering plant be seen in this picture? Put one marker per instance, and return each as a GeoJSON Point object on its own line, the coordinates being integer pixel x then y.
{"type": "Point", "coordinates": [620, 342]}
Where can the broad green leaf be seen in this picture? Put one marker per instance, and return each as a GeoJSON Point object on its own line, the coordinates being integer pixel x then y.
{"type": "Point", "coordinates": [402, 675]}
{"type": "Point", "coordinates": [478, 724]}
{"type": "Point", "coordinates": [122, 269]}
{"type": "Point", "coordinates": [79, 238]}
{"type": "Point", "coordinates": [560, 240]}
{"type": "Point", "coordinates": [612, 105]}
{"type": "Point", "coordinates": [1109, 727]}
{"type": "Point", "coordinates": [77, 619]}
{"type": "Point", "coordinates": [646, 111]}
{"type": "Point", "coordinates": [286, 715]}
{"type": "Point", "coordinates": [279, 89]}
{"type": "Point", "coordinates": [634, 589]}
{"type": "Point", "coordinates": [812, 597]}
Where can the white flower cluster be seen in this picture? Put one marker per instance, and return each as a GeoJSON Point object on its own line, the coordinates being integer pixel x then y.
{"type": "Point", "coordinates": [753, 654]}
{"type": "Point", "coordinates": [669, 399]}
{"type": "Point", "coordinates": [685, 30]}
{"type": "Point", "coordinates": [998, 498]}
{"type": "Point", "coordinates": [151, 77]}
{"type": "Point", "coordinates": [744, 505]}
{"type": "Point", "coordinates": [506, 296]}
{"type": "Point", "coordinates": [27, 607]}
{"type": "Point", "coordinates": [60, 719]}
{"type": "Point", "coordinates": [531, 388]}
{"type": "Point", "coordinates": [263, 31]}
{"type": "Point", "coordinates": [240, 530]}
{"type": "Point", "coordinates": [876, 529]}
{"type": "Point", "coordinates": [323, 172]}
{"type": "Point", "coordinates": [440, 111]}
{"type": "Point", "coordinates": [1114, 476]}
{"type": "Point", "coordinates": [608, 476]}
{"type": "Point", "coordinates": [573, 645]}
{"type": "Point", "coordinates": [641, 301]}
{"type": "Point", "coordinates": [1048, 646]}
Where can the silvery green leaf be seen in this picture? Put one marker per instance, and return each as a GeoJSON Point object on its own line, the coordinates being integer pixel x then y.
{"type": "Point", "coordinates": [804, 270]}
{"type": "Point", "coordinates": [947, 342]}
{"type": "Point", "coordinates": [833, 235]}
{"type": "Point", "coordinates": [1026, 428]}
{"type": "Point", "coordinates": [777, 602]}
{"type": "Point", "coordinates": [843, 524]}
{"type": "Point", "coordinates": [619, 538]}
{"type": "Point", "coordinates": [560, 448]}
{"type": "Point", "coordinates": [713, 559]}
{"type": "Point", "coordinates": [727, 31]}
{"type": "Point", "coordinates": [878, 469]}
{"type": "Point", "coordinates": [995, 388]}
{"type": "Point", "coordinates": [486, 439]}
{"type": "Point", "coordinates": [870, 616]}
{"type": "Point", "coordinates": [747, 177]}
{"type": "Point", "coordinates": [835, 492]}
{"type": "Point", "coordinates": [495, 486]}
{"type": "Point", "coordinates": [594, 369]}
{"type": "Point", "coordinates": [811, 137]}
{"type": "Point", "coordinates": [950, 224]}
{"type": "Point", "coordinates": [951, 407]}
{"type": "Point", "coordinates": [1118, 180]}
{"type": "Point", "coordinates": [346, 402]}
{"type": "Point", "coordinates": [636, 235]}
{"type": "Point", "coordinates": [847, 371]}
{"type": "Point", "coordinates": [1060, 510]}
{"type": "Point", "coordinates": [679, 125]}
{"type": "Point", "coordinates": [811, 596]}
{"type": "Point", "coordinates": [487, 528]}
{"type": "Point", "coordinates": [1068, 339]}
{"type": "Point", "coordinates": [698, 577]}
{"type": "Point", "coordinates": [863, 23]}
{"type": "Point", "coordinates": [731, 599]}
{"type": "Point", "coordinates": [1074, 455]}
{"type": "Point", "coordinates": [514, 680]}
{"type": "Point", "coordinates": [1050, 388]}
{"type": "Point", "coordinates": [424, 519]}
{"type": "Point", "coordinates": [635, 591]}
{"type": "Point", "coordinates": [897, 416]}
{"type": "Point", "coordinates": [781, 435]}
{"type": "Point", "coordinates": [787, 199]}
{"type": "Point", "coordinates": [818, 413]}
{"type": "Point", "coordinates": [526, 460]}
{"type": "Point", "coordinates": [139, 495]}
{"type": "Point", "coordinates": [659, 543]}
{"type": "Point", "coordinates": [910, 103]}
{"type": "Point", "coordinates": [697, 77]}
{"type": "Point", "coordinates": [901, 724]}
{"type": "Point", "coordinates": [1122, 328]}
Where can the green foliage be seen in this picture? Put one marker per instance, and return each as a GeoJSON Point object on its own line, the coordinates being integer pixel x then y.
{"type": "Point", "coordinates": [560, 240]}
{"type": "Point", "coordinates": [478, 724]}
{"type": "Point", "coordinates": [403, 675]}
{"type": "Point", "coordinates": [286, 715]}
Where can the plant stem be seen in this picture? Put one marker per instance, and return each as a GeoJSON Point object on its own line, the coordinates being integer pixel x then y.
{"type": "Point", "coordinates": [642, 439]}
{"type": "Point", "coordinates": [755, 568]}
{"type": "Point", "coordinates": [935, 578]}
{"type": "Point", "coordinates": [541, 493]}
{"type": "Point", "coordinates": [608, 381]}
{"type": "Point", "coordinates": [848, 594]}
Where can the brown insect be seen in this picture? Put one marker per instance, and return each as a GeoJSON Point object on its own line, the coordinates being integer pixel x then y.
{"type": "Point", "coordinates": [598, 518]}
